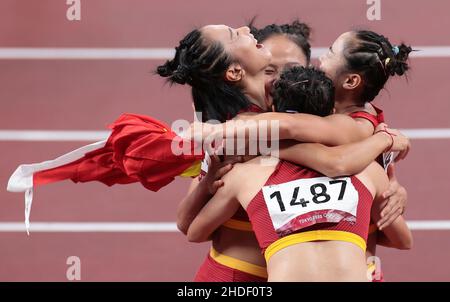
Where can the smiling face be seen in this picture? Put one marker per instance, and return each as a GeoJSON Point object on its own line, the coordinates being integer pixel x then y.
{"type": "Point", "coordinates": [333, 63]}
{"type": "Point", "coordinates": [241, 46]}
{"type": "Point", "coordinates": [285, 54]}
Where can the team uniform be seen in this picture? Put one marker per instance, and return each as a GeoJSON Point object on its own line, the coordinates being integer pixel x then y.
{"type": "Point", "coordinates": [325, 209]}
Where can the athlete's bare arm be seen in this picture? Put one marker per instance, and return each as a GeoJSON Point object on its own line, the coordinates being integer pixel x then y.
{"type": "Point", "coordinates": [194, 201]}
{"type": "Point", "coordinates": [216, 212]}
{"type": "Point", "coordinates": [200, 191]}
{"type": "Point", "coordinates": [397, 234]}
{"type": "Point", "coordinates": [332, 130]}
{"type": "Point", "coordinates": [348, 159]}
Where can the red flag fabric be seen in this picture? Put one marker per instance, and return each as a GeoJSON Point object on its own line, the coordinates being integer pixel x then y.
{"type": "Point", "coordinates": [139, 149]}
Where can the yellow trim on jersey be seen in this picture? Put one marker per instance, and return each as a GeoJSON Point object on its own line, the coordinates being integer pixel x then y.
{"type": "Point", "coordinates": [313, 236]}
{"type": "Point", "coordinates": [372, 228]}
{"type": "Point", "coordinates": [238, 264]}
{"type": "Point", "coordinates": [193, 170]}
{"type": "Point", "coordinates": [238, 225]}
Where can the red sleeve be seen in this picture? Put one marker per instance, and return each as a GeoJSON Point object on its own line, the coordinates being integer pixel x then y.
{"type": "Point", "coordinates": [374, 119]}
{"type": "Point", "coordinates": [367, 116]}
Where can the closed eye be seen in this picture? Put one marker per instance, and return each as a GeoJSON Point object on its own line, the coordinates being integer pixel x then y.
{"type": "Point", "coordinates": [269, 71]}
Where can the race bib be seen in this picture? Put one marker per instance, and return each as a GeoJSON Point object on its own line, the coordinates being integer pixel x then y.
{"type": "Point", "coordinates": [304, 202]}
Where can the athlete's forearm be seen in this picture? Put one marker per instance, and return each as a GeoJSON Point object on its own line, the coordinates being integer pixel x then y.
{"type": "Point", "coordinates": [191, 205]}
{"type": "Point", "coordinates": [348, 159]}
{"type": "Point", "coordinates": [396, 235]}
{"type": "Point", "coordinates": [331, 130]}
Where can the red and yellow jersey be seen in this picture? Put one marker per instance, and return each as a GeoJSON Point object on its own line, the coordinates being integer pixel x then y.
{"type": "Point", "coordinates": [299, 205]}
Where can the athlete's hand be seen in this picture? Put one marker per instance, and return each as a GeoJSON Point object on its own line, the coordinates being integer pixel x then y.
{"type": "Point", "coordinates": [395, 200]}
{"type": "Point", "coordinates": [200, 132]}
{"type": "Point", "coordinates": [217, 169]}
{"type": "Point", "coordinates": [400, 143]}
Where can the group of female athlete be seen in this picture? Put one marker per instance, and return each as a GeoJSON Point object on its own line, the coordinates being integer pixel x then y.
{"type": "Point", "coordinates": [318, 212]}
{"type": "Point", "coordinates": [319, 209]}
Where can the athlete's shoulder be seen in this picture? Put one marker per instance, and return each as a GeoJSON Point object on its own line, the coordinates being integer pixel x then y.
{"type": "Point", "coordinates": [374, 177]}
{"type": "Point", "coordinates": [340, 117]}
{"type": "Point", "coordinates": [376, 170]}
{"type": "Point", "coordinates": [256, 164]}
{"type": "Point", "coordinates": [241, 171]}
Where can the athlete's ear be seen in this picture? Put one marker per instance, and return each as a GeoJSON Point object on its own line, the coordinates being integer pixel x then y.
{"type": "Point", "coordinates": [234, 73]}
{"type": "Point", "coordinates": [352, 81]}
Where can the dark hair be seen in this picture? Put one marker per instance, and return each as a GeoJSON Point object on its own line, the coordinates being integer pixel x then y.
{"type": "Point", "coordinates": [304, 90]}
{"type": "Point", "coordinates": [375, 59]}
{"type": "Point", "coordinates": [202, 65]}
{"type": "Point", "coordinates": [296, 31]}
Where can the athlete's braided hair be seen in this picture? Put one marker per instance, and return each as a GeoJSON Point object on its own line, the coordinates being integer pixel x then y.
{"type": "Point", "coordinates": [375, 59]}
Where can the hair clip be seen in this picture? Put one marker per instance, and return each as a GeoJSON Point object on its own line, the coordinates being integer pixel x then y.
{"type": "Point", "coordinates": [395, 50]}
{"type": "Point", "coordinates": [300, 82]}
{"type": "Point", "coordinates": [386, 62]}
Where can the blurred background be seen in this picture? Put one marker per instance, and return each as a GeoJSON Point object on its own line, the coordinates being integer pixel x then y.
{"type": "Point", "coordinates": [59, 76]}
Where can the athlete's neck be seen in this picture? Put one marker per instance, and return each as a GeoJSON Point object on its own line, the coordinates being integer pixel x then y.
{"type": "Point", "coordinates": [255, 91]}
{"type": "Point", "coordinates": [347, 105]}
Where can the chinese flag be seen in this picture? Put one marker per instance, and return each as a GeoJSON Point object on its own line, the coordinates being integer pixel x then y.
{"type": "Point", "coordinates": [139, 149]}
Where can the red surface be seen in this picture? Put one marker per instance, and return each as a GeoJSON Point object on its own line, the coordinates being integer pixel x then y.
{"type": "Point", "coordinates": [88, 95]}
{"type": "Point", "coordinates": [143, 23]}
{"type": "Point", "coordinates": [104, 257]}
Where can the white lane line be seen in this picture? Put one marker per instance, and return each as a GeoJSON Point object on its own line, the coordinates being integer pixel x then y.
{"type": "Point", "coordinates": [427, 225]}
{"type": "Point", "coordinates": [49, 135]}
{"type": "Point", "coordinates": [427, 133]}
{"type": "Point", "coordinates": [68, 135]}
{"type": "Point", "coordinates": [25, 53]}
{"type": "Point", "coordinates": [138, 227]}
{"type": "Point", "coordinates": [85, 53]}
{"type": "Point", "coordinates": [90, 227]}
